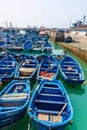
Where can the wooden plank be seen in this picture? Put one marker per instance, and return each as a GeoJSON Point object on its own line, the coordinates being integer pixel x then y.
{"type": "Point", "coordinates": [12, 98]}
{"type": "Point", "coordinates": [70, 72]}
{"type": "Point", "coordinates": [58, 116]}
{"type": "Point", "coordinates": [54, 117]}
{"type": "Point", "coordinates": [15, 95]}
{"type": "Point", "coordinates": [27, 69]}
{"type": "Point", "coordinates": [43, 116]}
{"type": "Point", "coordinates": [49, 117]}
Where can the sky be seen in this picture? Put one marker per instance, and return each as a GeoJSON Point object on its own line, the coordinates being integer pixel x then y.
{"type": "Point", "coordinates": [48, 13]}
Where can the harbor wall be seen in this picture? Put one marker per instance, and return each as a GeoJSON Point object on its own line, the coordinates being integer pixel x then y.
{"type": "Point", "coordinates": [79, 45]}
{"type": "Point", "coordinates": [77, 49]}
{"type": "Point", "coordinates": [77, 36]}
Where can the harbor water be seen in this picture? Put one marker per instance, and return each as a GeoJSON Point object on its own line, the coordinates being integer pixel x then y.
{"type": "Point", "coordinates": [77, 95]}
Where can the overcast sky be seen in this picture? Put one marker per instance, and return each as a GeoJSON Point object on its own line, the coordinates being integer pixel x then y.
{"type": "Point", "coordinates": [48, 13]}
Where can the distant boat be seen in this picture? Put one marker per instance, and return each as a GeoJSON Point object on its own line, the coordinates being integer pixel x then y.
{"type": "Point", "coordinates": [2, 54]}
{"type": "Point", "coordinates": [38, 45]}
{"type": "Point", "coordinates": [2, 45]}
{"type": "Point", "coordinates": [68, 39]}
{"type": "Point", "coordinates": [50, 107]}
{"type": "Point", "coordinates": [27, 68]}
{"type": "Point", "coordinates": [16, 55]}
{"type": "Point", "coordinates": [48, 68]}
{"type": "Point", "coordinates": [47, 47]}
{"type": "Point", "coordinates": [14, 99]}
{"type": "Point", "coordinates": [41, 57]}
{"type": "Point", "coordinates": [8, 66]}
{"type": "Point", "coordinates": [14, 47]}
{"type": "Point", "coordinates": [28, 45]}
{"type": "Point", "coordinates": [71, 70]}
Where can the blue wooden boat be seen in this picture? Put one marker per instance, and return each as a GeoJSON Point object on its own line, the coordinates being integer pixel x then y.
{"type": "Point", "coordinates": [41, 57]}
{"type": "Point", "coordinates": [27, 67]}
{"type": "Point", "coordinates": [71, 70]}
{"type": "Point", "coordinates": [68, 39]}
{"type": "Point", "coordinates": [14, 99]}
{"type": "Point", "coordinates": [2, 45]}
{"type": "Point", "coordinates": [47, 47]}
{"type": "Point", "coordinates": [48, 69]}
{"type": "Point", "coordinates": [14, 47]}
{"type": "Point", "coordinates": [2, 54]}
{"type": "Point", "coordinates": [50, 107]}
{"type": "Point", "coordinates": [28, 45]}
{"type": "Point", "coordinates": [8, 66]}
{"type": "Point", "coordinates": [16, 55]}
{"type": "Point", "coordinates": [38, 45]}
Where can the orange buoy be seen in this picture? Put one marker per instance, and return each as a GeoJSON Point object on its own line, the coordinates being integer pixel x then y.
{"type": "Point", "coordinates": [69, 68]}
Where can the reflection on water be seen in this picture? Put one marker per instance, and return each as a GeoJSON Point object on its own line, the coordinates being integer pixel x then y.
{"type": "Point", "coordinates": [74, 89]}
{"type": "Point", "coordinates": [22, 124]}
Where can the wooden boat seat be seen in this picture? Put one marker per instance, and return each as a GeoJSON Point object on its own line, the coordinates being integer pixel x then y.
{"type": "Point", "coordinates": [19, 86]}
{"type": "Point", "coordinates": [71, 62]}
{"type": "Point", "coordinates": [14, 96]}
{"type": "Point", "coordinates": [51, 97]}
{"type": "Point", "coordinates": [43, 116]}
{"type": "Point", "coordinates": [29, 65]}
{"type": "Point", "coordinates": [27, 69]}
{"type": "Point", "coordinates": [11, 103]}
{"type": "Point", "coordinates": [52, 112]}
{"type": "Point", "coordinates": [8, 61]}
{"type": "Point", "coordinates": [22, 76]}
{"type": "Point", "coordinates": [69, 65]}
{"type": "Point", "coordinates": [48, 117]}
{"type": "Point", "coordinates": [7, 73]}
{"type": "Point", "coordinates": [53, 88]}
{"type": "Point", "coordinates": [9, 64]}
{"type": "Point", "coordinates": [71, 72]}
{"type": "Point", "coordinates": [9, 108]}
{"type": "Point", "coordinates": [29, 61]}
{"type": "Point", "coordinates": [73, 78]}
{"type": "Point", "coordinates": [50, 90]}
{"type": "Point", "coordinates": [54, 95]}
{"type": "Point", "coordinates": [50, 102]}
{"type": "Point", "coordinates": [50, 70]}
{"type": "Point", "coordinates": [54, 117]}
{"type": "Point", "coordinates": [65, 70]}
{"type": "Point", "coordinates": [7, 68]}
{"type": "Point", "coordinates": [4, 65]}
{"type": "Point", "coordinates": [43, 68]}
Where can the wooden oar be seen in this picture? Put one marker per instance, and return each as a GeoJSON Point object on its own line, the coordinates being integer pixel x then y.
{"type": "Point", "coordinates": [61, 112]}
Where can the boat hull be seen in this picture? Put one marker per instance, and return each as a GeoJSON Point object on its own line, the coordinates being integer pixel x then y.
{"type": "Point", "coordinates": [71, 70]}
{"type": "Point", "coordinates": [48, 69]}
{"type": "Point", "coordinates": [14, 99]}
{"type": "Point", "coordinates": [48, 101]}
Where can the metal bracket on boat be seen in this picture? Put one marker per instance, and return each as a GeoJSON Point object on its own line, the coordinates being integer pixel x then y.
{"type": "Point", "coordinates": [33, 117]}
{"type": "Point", "coordinates": [30, 109]}
{"type": "Point", "coordinates": [30, 121]}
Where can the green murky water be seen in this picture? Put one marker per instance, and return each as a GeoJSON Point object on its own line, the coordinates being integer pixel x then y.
{"type": "Point", "coordinates": [77, 95]}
